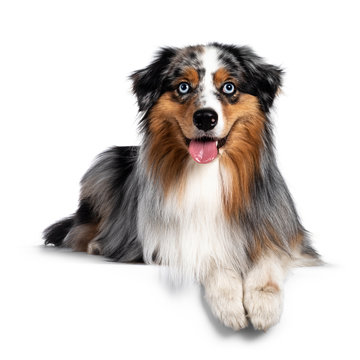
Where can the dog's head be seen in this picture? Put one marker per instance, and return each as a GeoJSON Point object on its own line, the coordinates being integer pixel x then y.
{"type": "Point", "coordinates": [203, 98]}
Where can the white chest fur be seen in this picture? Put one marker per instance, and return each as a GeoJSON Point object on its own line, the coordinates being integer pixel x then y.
{"type": "Point", "coordinates": [190, 234]}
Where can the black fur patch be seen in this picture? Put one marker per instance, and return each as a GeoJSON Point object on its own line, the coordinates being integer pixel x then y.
{"type": "Point", "coordinates": [148, 83]}
{"type": "Point", "coordinates": [56, 233]}
{"type": "Point", "coordinates": [85, 213]}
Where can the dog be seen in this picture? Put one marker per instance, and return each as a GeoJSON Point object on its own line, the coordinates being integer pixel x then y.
{"type": "Point", "coordinates": [202, 194]}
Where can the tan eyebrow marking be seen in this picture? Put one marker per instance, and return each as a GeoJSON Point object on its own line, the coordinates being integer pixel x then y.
{"type": "Point", "coordinates": [191, 75]}
{"type": "Point", "coordinates": [221, 76]}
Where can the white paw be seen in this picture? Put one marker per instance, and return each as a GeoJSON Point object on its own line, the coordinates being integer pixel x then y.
{"type": "Point", "coordinates": [264, 306]}
{"type": "Point", "coordinates": [230, 311]}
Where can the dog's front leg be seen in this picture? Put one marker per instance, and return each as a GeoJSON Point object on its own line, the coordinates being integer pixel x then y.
{"type": "Point", "coordinates": [224, 294]}
{"type": "Point", "coordinates": [263, 291]}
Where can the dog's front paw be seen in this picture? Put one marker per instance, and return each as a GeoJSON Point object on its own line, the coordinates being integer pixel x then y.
{"type": "Point", "coordinates": [224, 294]}
{"type": "Point", "coordinates": [229, 310]}
{"type": "Point", "coordinates": [264, 305]}
{"type": "Point", "coordinates": [230, 313]}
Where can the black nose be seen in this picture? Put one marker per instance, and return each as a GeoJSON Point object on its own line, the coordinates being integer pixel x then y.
{"type": "Point", "coordinates": [205, 119]}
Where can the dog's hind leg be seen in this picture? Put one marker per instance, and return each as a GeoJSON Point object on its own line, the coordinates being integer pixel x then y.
{"type": "Point", "coordinates": [76, 232]}
{"type": "Point", "coordinates": [106, 220]}
{"type": "Point", "coordinates": [56, 233]}
{"type": "Point", "coordinates": [81, 238]}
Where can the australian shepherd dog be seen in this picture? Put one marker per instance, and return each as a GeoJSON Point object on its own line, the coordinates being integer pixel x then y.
{"type": "Point", "coordinates": [202, 194]}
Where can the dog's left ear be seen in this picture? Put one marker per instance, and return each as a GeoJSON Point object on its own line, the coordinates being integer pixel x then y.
{"type": "Point", "coordinates": [263, 79]}
{"type": "Point", "coordinates": [148, 83]}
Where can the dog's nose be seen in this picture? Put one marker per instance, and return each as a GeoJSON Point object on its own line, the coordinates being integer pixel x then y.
{"type": "Point", "coordinates": [205, 119]}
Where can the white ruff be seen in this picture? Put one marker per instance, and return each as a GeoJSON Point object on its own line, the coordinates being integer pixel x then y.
{"type": "Point", "coordinates": [190, 234]}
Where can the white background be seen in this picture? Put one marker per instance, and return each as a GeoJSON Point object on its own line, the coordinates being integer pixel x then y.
{"type": "Point", "coordinates": [65, 97]}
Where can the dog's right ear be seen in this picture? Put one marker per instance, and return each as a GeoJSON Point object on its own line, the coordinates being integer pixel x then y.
{"type": "Point", "coordinates": [148, 83]}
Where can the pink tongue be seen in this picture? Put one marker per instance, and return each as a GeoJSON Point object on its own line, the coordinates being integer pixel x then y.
{"type": "Point", "coordinates": [203, 152]}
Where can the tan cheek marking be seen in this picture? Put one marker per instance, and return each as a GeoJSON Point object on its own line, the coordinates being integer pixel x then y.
{"type": "Point", "coordinates": [246, 108]}
{"type": "Point", "coordinates": [166, 109]}
{"type": "Point", "coordinates": [241, 154]}
{"type": "Point", "coordinates": [168, 152]}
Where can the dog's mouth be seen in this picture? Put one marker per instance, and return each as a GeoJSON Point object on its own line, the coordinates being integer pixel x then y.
{"type": "Point", "coordinates": [205, 149]}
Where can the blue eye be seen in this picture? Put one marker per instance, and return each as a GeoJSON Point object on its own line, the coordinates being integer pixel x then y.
{"type": "Point", "coordinates": [184, 88]}
{"type": "Point", "coordinates": [228, 88]}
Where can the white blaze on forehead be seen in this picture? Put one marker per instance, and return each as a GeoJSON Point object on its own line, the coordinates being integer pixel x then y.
{"type": "Point", "coordinates": [210, 63]}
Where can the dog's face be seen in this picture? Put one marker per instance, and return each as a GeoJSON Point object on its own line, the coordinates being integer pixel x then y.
{"type": "Point", "coordinates": [205, 97]}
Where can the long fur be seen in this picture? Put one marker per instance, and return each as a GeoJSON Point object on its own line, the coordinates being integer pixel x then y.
{"type": "Point", "coordinates": [154, 203]}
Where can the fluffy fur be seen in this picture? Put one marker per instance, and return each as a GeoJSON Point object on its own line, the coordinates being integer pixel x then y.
{"type": "Point", "coordinates": [229, 222]}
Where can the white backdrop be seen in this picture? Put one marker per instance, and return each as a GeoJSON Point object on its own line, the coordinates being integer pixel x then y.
{"type": "Point", "coordinates": [65, 96]}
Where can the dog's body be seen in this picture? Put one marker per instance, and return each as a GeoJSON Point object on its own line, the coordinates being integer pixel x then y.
{"type": "Point", "coordinates": [202, 194]}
